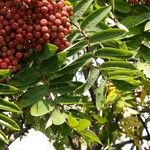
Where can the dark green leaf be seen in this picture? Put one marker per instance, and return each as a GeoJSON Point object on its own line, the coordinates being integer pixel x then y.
{"type": "Point", "coordinates": [95, 17]}
{"type": "Point", "coordinates": [69, 99]}
{"type": "Point", "coordinates": [113, 53]}
{"type": "Point", "coordinates": [64, 88]}
{"type": "Point", "coordinates": [74, 66]}
{"type": "Point", "coordinates": [80, 8]}
{"type": "Point", "coordinates": [106, 35]}
{"type": "Point", "coordinates": [33, 95]}
{"type": "Point", "coordinates": [25, 77]}
{"type": "Point", "coordinates": [114, 65]}
{"type": "Point", "coordinates": [132, 21]}
{"type": "Point", "coordinates": [126, 84]}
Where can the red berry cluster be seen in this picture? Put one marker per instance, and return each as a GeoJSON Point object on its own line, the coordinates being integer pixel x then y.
{"type": "Point", "coordinates": [139, 1]}
{"type": "Point", "coordinates": [26, 24]}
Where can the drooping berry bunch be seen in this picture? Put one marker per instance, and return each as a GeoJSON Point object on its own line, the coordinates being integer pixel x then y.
{"type": "Point", "coordinates": [26, 24]}
{"type": "Point", "coordinates": [139, 1]}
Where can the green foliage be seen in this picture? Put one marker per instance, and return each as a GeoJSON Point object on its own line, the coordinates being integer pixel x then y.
{"type": "Point", "coordinates": [94, 91]}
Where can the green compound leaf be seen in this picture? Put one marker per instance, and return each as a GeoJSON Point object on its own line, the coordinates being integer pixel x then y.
{"type": "Point", "coordinates": [80, 8]}
{"type": "Point", "coordinates": [94, 18]}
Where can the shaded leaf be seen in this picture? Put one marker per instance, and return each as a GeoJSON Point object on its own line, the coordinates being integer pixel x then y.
{"type": "Point", "coordinates": [25, 77]}
{"type": "Point", "coordinates": [33, 95]}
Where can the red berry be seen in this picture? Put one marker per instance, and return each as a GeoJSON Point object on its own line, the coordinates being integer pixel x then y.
{"type": "Point", "coordinates": [44, 29]}
{"type": "Point", "coordinates": [19, 55]}
{"type": "Point", "coordinates": [52, 18]}
{"type": "Point", "coordinates": [3, 65]}
{"type": "Point", "coordinates": [44, 10]}
{"type": "Point", "coordinates": [58, 22]}
{"type": "Point", "coordinates": [43, 22]}
{"type": "Point", "coordinates": [46, 36]}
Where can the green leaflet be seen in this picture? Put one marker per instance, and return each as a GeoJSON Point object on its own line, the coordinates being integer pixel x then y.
{"type": "Point", "coordinates": [42, 107]}
{"type": "Point", "coordinates": [3, 137]}
{"type": "Point", "coordinates": [114, 65]}
{"type": "Point", "coordinates": [132, 21]}
{"type": "Point", "coordinates": [113, 53]}
{"type": "Point", "coordinates": [8, 89]}
{"type": "Point", "coordinates": [9, 106]}
{"type": "Point", "coordinates": [105, 36]}
{"type": "Point", "coordinates": [100, 94]}
{"type": "Point", "coordinates": [33, 95]}
{"type": "Point", "coordinates": [9, 123]}
{"type": "Point", "coordinates": [94, 18]}
{"type": "Point", "coordinates": [58, 117]}
{"type": "Point", "coordinates": [4, 73]}
{"type": "Point", "coordinates": [80, 8]}
{"type": "Point", "coordinates": [49, 51]}
{"type": "Point", "coordinates": [25, 77]}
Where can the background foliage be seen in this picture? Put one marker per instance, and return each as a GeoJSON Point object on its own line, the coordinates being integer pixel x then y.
{"type": "Point", "coordinates": [93, 92]}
